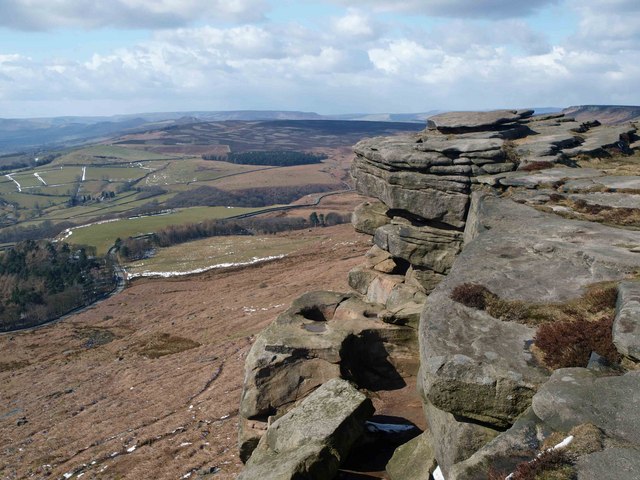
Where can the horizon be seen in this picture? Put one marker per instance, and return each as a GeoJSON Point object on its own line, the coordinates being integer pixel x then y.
{"type": "Point", "coordinates": [333, 57]}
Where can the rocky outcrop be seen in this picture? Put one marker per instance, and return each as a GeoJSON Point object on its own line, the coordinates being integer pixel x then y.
{"type": "Point", "coordinates": [311, 440]}
{"type": "Point", "coordinates": [322, 336]}
{"type": "Point", "coordinates": [626, 327]}
{"type": "Point", "coordinates": [485, 199]}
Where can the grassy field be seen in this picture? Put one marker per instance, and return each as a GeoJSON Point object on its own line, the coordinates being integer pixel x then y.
{"type": "Point", "coordinates": [103, 235]}
{"type": "Point", "coordinates": [104, 154]}
{"type": "Point", "coordinates": [202, 254]}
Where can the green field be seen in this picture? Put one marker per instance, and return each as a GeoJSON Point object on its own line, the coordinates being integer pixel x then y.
{"type": "Point", "coordinates": [104, 154]}
{"type": "Point", "coordinates": [115, 174]}
{"type": "Point", "coordinates": [64, 175]}
{"type": "Point", "coordinates": [216, 251]}
{"type": "Point", "coordinates": [102, 236]}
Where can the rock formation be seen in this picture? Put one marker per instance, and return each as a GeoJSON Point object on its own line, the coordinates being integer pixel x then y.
{"type": "Point", "coordinates": [483, 202]}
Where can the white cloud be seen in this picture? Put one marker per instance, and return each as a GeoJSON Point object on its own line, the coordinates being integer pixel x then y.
{"type": "Point", "coordinates": [607, 25]}
{"type": "Point", "coordinates": [359, 61]}
{"type": "Point", "coordinates": [356, 24]}
{"type": "Point", "coordinates": [89, 14]}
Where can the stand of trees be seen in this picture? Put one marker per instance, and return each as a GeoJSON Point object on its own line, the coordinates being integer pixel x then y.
{"type": "Point", "coordinates": [276, 158]}
{"type": "Point", "coordinates": [40, 281]}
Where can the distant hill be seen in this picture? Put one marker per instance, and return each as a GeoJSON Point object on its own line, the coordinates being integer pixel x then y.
{"type": "Point", "coordinates": [607, 114]}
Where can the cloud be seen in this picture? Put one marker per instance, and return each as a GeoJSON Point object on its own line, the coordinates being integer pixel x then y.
{"type": "Point", "coordinates": [456, 8]}
{"type": "Point", "coordinates": [153, 14]}
{"type": "Point", "coordinates": [356, 24]}
{"type": "Point", "coordinates": [358, 61]}
{"type": "Point", "coordinates": [607, 25]}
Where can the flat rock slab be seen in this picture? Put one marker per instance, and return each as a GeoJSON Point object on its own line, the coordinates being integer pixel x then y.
{"type": "Point", "coordinates": [311, 440]}
{"type": "Point", "coordinates": [475, 120]}
{"type": "Point", "coordinates": [602, 137]}
{"type": "Point", "coordinates": [613, 463]}
{"type": "Point", "coordinates": [611, 182]}
{"type": "Point", "coordinates": [626, 326]}
{"type": "Point", "coordinates": [546, 177]}
{"type": "Point", "coordinates": [574, 396]}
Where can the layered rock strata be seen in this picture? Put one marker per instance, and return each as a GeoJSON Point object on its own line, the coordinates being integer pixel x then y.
{"type": "Point", "coordinates": [477, 198]}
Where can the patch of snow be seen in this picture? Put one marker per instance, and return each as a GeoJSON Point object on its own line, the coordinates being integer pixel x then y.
{"type": "Point", "coordinates": [253, 261]}
{"type": "Point", "coordinates": [563, 443]}
{"type": "Point", "coordinates": [131, 449]}
{"type": "Point", "coordinates": [185, 444]}
{"type": "Point", "coordinates": [224, 417]}
{"type": "Point", "coordinates": [37, 175]}
{"type": "Point", "coordinates": [14, 181]}
{"type": "Point", "coordinates": [437, 474]}
{"type": "Point", "coordinates": [388, 427]}
{"type": "Point", "coordinates": [186, 475]}
{"type": "Point", "coordinates": [115, 454]}
{"type": "Point", "coordinates": [84, 173]}
{"type": "Point", "coordinates": [68, 475]}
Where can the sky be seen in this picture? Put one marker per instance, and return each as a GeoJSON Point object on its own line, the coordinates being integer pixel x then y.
{"type": "Point", "coordinates": [105, 57]}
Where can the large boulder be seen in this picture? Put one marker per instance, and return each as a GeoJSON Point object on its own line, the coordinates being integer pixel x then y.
{"type": "Point", "coordinates": [415, 460]}
{"type": "Point", "coordinates": [459, 122]}
{"type": "Point", "coordinates": [368, 216]}
{"type": "Point", "coordinates": [428, 203]}
{"type": "Point", "coordinates": [323, 335]}
{"type": "Point", "coordinates": [575, 396]}
{"type": "Point", "coordinates": [626, 326]}
{"type": "Point", "coordinates": [313, 439]}
{"type": "Point", "coordinates": [420, 245]}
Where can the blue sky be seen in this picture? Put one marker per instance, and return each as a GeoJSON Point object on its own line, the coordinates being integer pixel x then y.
{"type": "Point", "coordinates": [103, 57]}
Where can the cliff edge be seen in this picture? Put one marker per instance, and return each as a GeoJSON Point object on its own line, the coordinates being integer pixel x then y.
{"type": "Point", "coordinates": [503, 280]}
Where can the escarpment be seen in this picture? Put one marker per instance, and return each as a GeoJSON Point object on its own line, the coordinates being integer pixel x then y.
{"type": "Point", "coordinates": [493, 233]}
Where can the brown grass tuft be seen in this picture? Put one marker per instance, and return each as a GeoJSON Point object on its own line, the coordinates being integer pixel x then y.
{"type": "Point", "coordinates": [471, 295]}
{"type": "Point", "coordinates": [534, 166]}
{"type": "Point", "coordinates": [570, 343]}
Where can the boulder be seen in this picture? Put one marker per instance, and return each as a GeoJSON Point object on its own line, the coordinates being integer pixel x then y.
{"type": "Point", "coordinates": [474, 366]}
{"type": "Point", "coordinates": [521, 443]}
{"type": "Point", "coordinates": [420, 245]}
{"type": "Point", "coordinates": [313, 439]}
{"type": "Point", "coordinates": [626, 326]}
{"type": "Point", "coordinates": [368, 216]}
{"type": "Point", "coordinates": [399, 152]}
{"type": "Point", "coordinates": [453, 439]}
{"type": "Point", "coordinates": [428, 203]}
{"type": "Point", "coordinates": [618, 463]}
{"type": "Point", "coordinates": [415, 460]}
{"type": "Point", "coordinates": [458, 122]}
{"type": "Point", "coordinates": [314, 341]}
{"type": "Point", "coordinates": [575, 396]}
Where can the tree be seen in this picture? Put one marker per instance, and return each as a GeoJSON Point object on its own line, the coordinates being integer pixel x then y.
{"type": "Point", "coordinates": [313, 219]}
